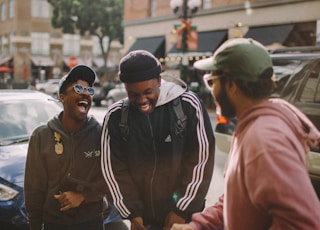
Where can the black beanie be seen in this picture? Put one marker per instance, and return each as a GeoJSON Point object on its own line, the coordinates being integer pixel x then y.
{"type": "Point", "coordinates": [139, 65]}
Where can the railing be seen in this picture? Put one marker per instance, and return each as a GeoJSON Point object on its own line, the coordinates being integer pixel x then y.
{"type": "Point", "coordinates": [296, 49]}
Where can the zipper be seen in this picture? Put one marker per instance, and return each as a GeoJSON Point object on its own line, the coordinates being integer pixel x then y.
{"type": "Point", "coordinates": [154, 168]}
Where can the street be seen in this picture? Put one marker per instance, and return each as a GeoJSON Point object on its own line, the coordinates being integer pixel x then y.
{"type": "Point", "coordinates": [217, 183]}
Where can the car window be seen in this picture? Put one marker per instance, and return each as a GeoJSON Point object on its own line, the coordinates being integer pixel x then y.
{"type": "Point", "coordinates": [309, 101]}
{"type": "Point", "coordinates": [19, 118]}
{"type": "Point", "coordinates": [311, 91]}
{"type": "Point", "coordinates": [283, 69]}
{"type": "Point", "coordinates": [290, 88]}
{"type": "Point", "coordinates": [317, 96]}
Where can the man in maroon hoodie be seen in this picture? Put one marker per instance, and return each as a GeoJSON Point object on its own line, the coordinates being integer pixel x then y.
{"type": "Point", "coordinates": [267, 185]}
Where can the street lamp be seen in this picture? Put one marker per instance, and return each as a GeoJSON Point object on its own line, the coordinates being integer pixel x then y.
{"type": "Point", "coordinates": [185, 9]}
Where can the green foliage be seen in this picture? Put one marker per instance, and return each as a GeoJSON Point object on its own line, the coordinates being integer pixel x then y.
{"type": "Point", "coordinates": [63, 14]}
{"type": "Point", "coordinates": [98, 17]}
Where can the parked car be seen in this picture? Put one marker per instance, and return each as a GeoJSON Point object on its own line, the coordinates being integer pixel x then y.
{"type": "Point", "coordinates": [20, 112]}
{"type": "Point", "coordinates": [109, 85]}
{"type": "Point", "coordinates": [99, 93]}
{"type": "Point", "coordinates": [117, 93]}
{"type": "Point", "coordinates": [51, 87]}
{"type": "Point", "coordinates": [297, 80]}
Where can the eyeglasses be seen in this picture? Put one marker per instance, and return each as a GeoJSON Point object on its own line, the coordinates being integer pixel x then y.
{"type": "Point", "coordinates": [209, 80]}
{"type": "Point", "coordinates": [80, 89]}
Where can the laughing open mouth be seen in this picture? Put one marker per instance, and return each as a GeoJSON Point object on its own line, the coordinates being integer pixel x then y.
{"type": "Point", "coordinates": [146, 108]}
{"type": "Point", "coordinates": [83, 105]}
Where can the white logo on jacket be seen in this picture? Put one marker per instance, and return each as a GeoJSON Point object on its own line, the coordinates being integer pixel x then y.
{"type": "Point", "coordinates": [94, 153]}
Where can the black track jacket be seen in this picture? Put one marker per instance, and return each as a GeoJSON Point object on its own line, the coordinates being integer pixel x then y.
{"type": "Point", "coordinates": [155, 171]}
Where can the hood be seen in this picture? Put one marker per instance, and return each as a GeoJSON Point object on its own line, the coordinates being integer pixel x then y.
{"type": "Point", "coordinates": [56, 125]}
{"type": "Point", "coordinates": [12, 162]}
{"type": "Point", "coordinates": [297, 121]}
{"type": "Point", "coordinates": [171, 88]}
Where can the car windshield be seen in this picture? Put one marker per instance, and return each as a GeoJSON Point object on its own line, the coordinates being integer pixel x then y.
{"type": "Point", "coordinates": [19, 118]}
{"type": "Point", "coordinates": [283, 69]}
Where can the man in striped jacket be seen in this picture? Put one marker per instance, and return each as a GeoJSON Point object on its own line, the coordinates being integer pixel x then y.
{"type": "Point", "coordinates": [157, 147]}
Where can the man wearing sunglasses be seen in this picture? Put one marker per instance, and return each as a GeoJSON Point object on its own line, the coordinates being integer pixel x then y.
{"type": "Point", "coordinates": [267, 185]}
{"type": "Point", "coordinates": [64, 187]}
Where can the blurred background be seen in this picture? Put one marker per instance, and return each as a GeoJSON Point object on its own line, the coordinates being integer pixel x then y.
{"type": "Point", "coordinates": [43, 39]}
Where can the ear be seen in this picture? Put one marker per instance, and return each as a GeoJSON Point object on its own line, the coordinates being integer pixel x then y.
{"type": "Point", "coordinates": [61, 98]}
{"type": "Point", "coordinates": [231, 87]}
{"type": "Point", "coordinates": [159, 80]}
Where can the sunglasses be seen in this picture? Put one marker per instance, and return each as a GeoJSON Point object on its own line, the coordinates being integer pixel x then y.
{"type": "Point", "coordinates": [209, 80]}
{"type": "Point", "coordinates": [80, 89]}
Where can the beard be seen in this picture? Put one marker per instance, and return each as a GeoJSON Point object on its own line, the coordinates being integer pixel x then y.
{"type": "Point", "coordinates": [227, 109]}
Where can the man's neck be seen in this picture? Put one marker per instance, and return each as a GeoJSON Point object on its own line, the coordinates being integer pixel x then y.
{"type": "Point", "coordinates": [72, 125]}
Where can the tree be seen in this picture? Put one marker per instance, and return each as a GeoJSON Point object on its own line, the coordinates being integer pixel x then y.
{"type": "Point", "coordinates": [102, 18]}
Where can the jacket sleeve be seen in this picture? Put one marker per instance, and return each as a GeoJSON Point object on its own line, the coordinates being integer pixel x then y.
{"type": "Point", "coordinates": [210, 218]}
{"type": "Point", "coordinates": [93, 191]}
{"type": "Point", "coordinates": [122, 190]}
{"type": "Point", "coordinates": [198, 162]}
{"type": "Point", "coordinates": [34, 184]}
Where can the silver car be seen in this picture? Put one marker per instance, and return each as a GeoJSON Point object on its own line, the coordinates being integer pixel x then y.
{"type": "Point", "coordinates": [116, 94]}
{"type": "Point", "coordinates": [50, 87]}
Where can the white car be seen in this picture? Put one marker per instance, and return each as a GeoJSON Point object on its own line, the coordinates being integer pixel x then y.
{"type": "Point", "coordinates": [116, 94]}
{"type": "Point", "coordinates": [50, 87]}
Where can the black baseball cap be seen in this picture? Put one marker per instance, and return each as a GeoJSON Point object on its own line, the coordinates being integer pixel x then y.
{"type": "Point", "coordinates": [82, 72]}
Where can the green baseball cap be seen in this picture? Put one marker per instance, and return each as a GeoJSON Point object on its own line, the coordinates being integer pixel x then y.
{"type": "Point", "coordinates": [242, 58]}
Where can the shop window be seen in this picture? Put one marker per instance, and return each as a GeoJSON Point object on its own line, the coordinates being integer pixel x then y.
{"type": "Point", "coordinates": [40, 9]}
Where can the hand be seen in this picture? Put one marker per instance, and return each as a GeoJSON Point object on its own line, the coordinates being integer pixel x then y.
{"type": "Point", "coordinates": [182, 227]}
{"type": "Point", "coordinates": [172, 218]}
{"type": "Point", "coordinates": [137, 224]}
{"type": "Point", "coordinates": [69, 200]}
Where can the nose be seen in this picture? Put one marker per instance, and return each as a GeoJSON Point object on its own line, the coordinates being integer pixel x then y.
{"type": "Point", "coordinates": [85, 90]}
{"type": "Point", "coordinates": [141, 99]}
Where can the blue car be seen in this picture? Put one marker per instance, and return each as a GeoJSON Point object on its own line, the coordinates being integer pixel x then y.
{"type": "Point", "coordinates": [20, 112]}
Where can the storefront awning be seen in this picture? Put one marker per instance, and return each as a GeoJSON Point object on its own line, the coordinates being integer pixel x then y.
{"type": "Point", "coordinates": [42, 60]}
{"type": "Point", "coordinates": [208, 42]}
{"type": "Point", "coordinates": [155, 45]}
{"type": "Point", "coordinates": [268, 35]}
{"type": "Point", "coordinates": [5, 60]}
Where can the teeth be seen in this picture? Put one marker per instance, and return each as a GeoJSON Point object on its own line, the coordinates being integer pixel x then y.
{"type": "Point", "coordinates": [83, 103]}
{"type": "Point", "coordinates": [144, 108]}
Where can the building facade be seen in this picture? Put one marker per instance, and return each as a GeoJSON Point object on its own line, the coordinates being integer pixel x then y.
{"type": "Point", "coordinates": [152, 25]}
{"type": "Point", "coordinates": [36, 51]}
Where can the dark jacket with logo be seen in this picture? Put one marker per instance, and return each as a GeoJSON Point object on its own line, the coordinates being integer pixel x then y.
{"type": "Point", "coordinates": [155, 171]}
{"type": "Point", "coordinates": [77, 168]}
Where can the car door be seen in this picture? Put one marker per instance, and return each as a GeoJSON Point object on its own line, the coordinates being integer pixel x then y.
{"type": "Point", "coordinates": [308, 96]}
{"type": "Point", "coordinates": [308, 101]}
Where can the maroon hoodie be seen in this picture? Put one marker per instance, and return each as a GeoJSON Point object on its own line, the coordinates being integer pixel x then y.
{"type": "Point", "coordinates": [267, 185]}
